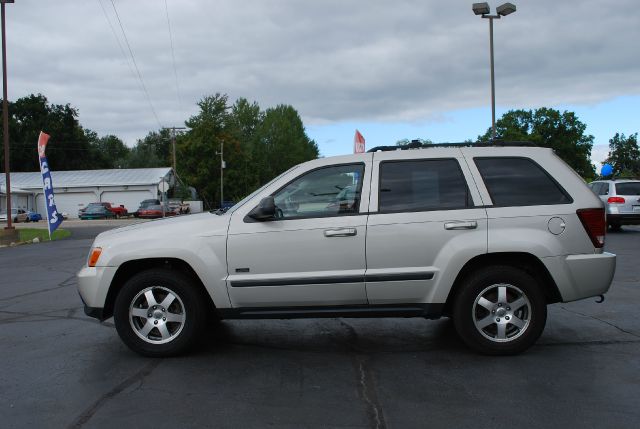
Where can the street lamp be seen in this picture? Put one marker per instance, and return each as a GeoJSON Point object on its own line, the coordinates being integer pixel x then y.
{"type": "Point", "coordinates": [502, 10]}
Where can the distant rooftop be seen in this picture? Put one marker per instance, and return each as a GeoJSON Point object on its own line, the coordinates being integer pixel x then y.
{"type": "Point", "coordinates": [88, 178]}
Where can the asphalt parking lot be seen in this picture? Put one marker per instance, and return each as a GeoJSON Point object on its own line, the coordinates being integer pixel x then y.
{"type": "Point", "coordinates": [61, 369]}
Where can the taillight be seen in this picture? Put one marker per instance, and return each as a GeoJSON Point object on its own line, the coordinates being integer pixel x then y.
{"type": "Point", "coordinates": [615, 200]}
{"type": "Point", "coordinates": [595, 224]}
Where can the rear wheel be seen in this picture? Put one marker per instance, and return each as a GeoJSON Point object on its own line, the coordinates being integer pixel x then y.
{"type": "Point", "coordinates": [160, 313]}
{"type": "Point", "coordinates": [500, 310]}
{"type": "Point", "coordinates": [615, 227]}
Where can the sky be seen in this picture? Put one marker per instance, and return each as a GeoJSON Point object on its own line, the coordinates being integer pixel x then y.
{"type": "Point", "coordinates": [391, 69]}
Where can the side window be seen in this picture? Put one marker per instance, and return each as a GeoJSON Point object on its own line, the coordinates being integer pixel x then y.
{"type": "Point", "coordinates": [604, 188]}
{"type": "Point", "coordinates": [328, 191]}
{"type": "Point", "coordinates": [519, 182]}
{"type": "Point", "coordinates": [423, 185]}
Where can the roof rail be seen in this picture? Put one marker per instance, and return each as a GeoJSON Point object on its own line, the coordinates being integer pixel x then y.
{"type": "Point", "coordinates": [416, 144]}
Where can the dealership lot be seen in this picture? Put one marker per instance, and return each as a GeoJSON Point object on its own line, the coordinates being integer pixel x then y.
{"type": "Point", "coordinates": [60, 368]}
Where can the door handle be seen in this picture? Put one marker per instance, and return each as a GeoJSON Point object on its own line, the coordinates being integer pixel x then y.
{"type": "Point", "coordinates": [342, 232]}
{"type": "Point", "coordinates": [461, 225]}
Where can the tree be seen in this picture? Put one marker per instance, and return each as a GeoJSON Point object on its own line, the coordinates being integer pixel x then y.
{"type": "Point", "coordinates": [407, 142]}
{"type": "Point", "coordinates": [624, 155]}
{"type": "Point", "coordinates": [107, 151]}
{"type": "Point", "coordinates": [282, 143]}
{"type": "Point", "coordinates": [198, 161]}
{"type": "Point", "coordinates": [257, 146]}
{"type": "Point", "coordinates": [69, 147]}
{"type": "Point", "coordinates": [152, 151]}
{"type": "Point", "coordinates": [563, 132]}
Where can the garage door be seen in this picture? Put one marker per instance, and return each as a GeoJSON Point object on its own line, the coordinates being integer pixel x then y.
{"type": "Point", "coordinates": [129, 199]}
{"type": "Point", "coordinates": [68, 203]}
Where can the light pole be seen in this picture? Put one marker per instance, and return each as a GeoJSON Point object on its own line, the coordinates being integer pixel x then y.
{"type": "Point", "coordinates": [502, 10]}
{"type": "Point", "coordinates": [5, 118]}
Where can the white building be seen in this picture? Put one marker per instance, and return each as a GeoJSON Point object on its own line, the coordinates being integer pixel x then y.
{"type": "Point", "coordinates": [75, 189]}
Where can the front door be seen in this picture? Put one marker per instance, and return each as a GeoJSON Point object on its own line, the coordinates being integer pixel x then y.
{"type": "Point", "coordinates": [313, 253]}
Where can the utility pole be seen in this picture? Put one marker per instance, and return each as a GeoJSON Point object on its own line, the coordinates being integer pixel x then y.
{"type": "Point", "coordinates": [5, 118]}
{"type": "Point", "coordinates": [173, 146]}
{"type": "Point", "coordinates": [222, 165]}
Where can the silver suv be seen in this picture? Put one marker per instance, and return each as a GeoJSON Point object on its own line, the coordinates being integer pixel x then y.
{"type": "Point", "coordinates": [622, 201]}
{"type": "Point", "coordinates": [486, 235]}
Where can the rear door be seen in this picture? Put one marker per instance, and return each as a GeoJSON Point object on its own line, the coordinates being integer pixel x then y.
{"type": "Point", "coordinates": [426, 216]}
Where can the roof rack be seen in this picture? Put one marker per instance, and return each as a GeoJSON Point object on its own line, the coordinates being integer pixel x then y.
{"type": "Point", "coordinates": [417, 144]}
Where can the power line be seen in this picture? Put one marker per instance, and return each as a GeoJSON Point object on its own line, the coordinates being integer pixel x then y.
{"type": "Point", "coordinates": [135, 64]}
{"type": "Point", "coordinates": [173, 57]}
{"type": "Point", "coordinates": [115, 34]}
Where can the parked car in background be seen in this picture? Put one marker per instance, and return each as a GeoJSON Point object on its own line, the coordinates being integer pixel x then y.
{"type": "Point", "coordinates": [118, 211]}
{"type": "Point", "coordinates": [179, 207]}
{"type": "Point", "coordinates": [33, 217]}
{"type": "Point", "coordinates": [155, 211]}
{"type": "Point", "coordinates": [21, 215]}
{"type": "Point", "coordinates": [17, 215]}
{"type": "Point", "coordinates": [97, 212]}
{"type": "Point", "coordinates": [144, 204]}
{"type": "Point", "coordinates": [621, 199]}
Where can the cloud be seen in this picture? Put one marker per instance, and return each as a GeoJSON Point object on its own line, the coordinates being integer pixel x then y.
{"type": "Point", "coordinates": [332, 60]}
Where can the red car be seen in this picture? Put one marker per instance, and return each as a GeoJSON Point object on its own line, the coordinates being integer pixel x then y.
{"type": "Point", "coordinates": [118, 211]}
{"type": "Point", "coordinates": [153, 212]}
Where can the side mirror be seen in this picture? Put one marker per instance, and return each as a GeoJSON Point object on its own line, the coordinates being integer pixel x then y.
{"type": "Point", "coordinates": [266, 210]}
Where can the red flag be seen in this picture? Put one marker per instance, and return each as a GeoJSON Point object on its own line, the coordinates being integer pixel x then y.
{"type": "Point", "coordinates": [358, 143]}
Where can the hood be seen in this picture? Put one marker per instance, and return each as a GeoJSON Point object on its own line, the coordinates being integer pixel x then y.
{"type": "Point", "coordinates": [201, 225]}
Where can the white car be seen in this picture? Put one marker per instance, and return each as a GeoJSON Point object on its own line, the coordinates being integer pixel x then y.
{"type": "Point", "coordinates": [486, 235]}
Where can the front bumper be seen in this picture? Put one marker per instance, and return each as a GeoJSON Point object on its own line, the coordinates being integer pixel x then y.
{"type": "Point", "coordinates": [582, 276]}
{"type": "Point", "coordinates": [93, 286]}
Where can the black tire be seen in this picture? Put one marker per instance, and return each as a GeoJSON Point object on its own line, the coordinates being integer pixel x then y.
{"type": "Point", "coordinates": [615, 227]}
{"type": "Point", "coordinates": [469, 315]}
{"type": "Point", "coordinates": [190, 300]}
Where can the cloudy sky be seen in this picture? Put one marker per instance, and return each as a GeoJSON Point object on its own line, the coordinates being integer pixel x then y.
{"type": "Point", "coordinates": [393, 69]}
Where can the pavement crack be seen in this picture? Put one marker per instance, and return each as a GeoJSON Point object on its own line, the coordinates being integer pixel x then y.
{"type": "Point", "coordinates": [70, 281]}
{"type": "Point", "coordinates": [368, 392]}
{"type": "Point", "coordinates": [138, 377]}
{"type": "Point", "coordinates": [18, 316]}
{"type": "Point", "coordinates": [601, 320]}
{"type": "Point", "coordinates": [366, 380]}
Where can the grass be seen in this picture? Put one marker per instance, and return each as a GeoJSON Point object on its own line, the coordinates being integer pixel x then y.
{"type": "Point", "coordinates": [28, 234]}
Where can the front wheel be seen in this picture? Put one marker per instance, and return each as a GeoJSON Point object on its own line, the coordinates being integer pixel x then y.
{"type": "Point", "coordinates": [500, 310]}
{"type": "Point", "coordinates": [160, 313]}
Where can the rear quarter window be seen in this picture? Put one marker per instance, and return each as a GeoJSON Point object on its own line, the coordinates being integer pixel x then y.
{"type": "Point", "coordinates": [515, 181]}
{"type": "Point", "coordinates": [629, 188]}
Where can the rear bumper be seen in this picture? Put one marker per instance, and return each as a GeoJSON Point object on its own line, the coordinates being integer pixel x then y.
{"type": "Point", "coordinates": [582, 276]}
{"type": "Point", "coordinates": [623, 218]}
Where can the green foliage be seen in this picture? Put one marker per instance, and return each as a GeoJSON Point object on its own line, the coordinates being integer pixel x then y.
{"type": "Point", "coordinates": [257, 146]}
{"type": "Point", "coordinates": [28, 234]}
{"type": "Point", "coordinates": [70, 146]}
{"type": "Point", "coordinates": [624, 155]}
{"type": "Point", "coordinates": [563, 132]}
{"type": "Point", "coordinates": [405, 142]}
{"type": "Point", "coordinates": [152, 151]}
